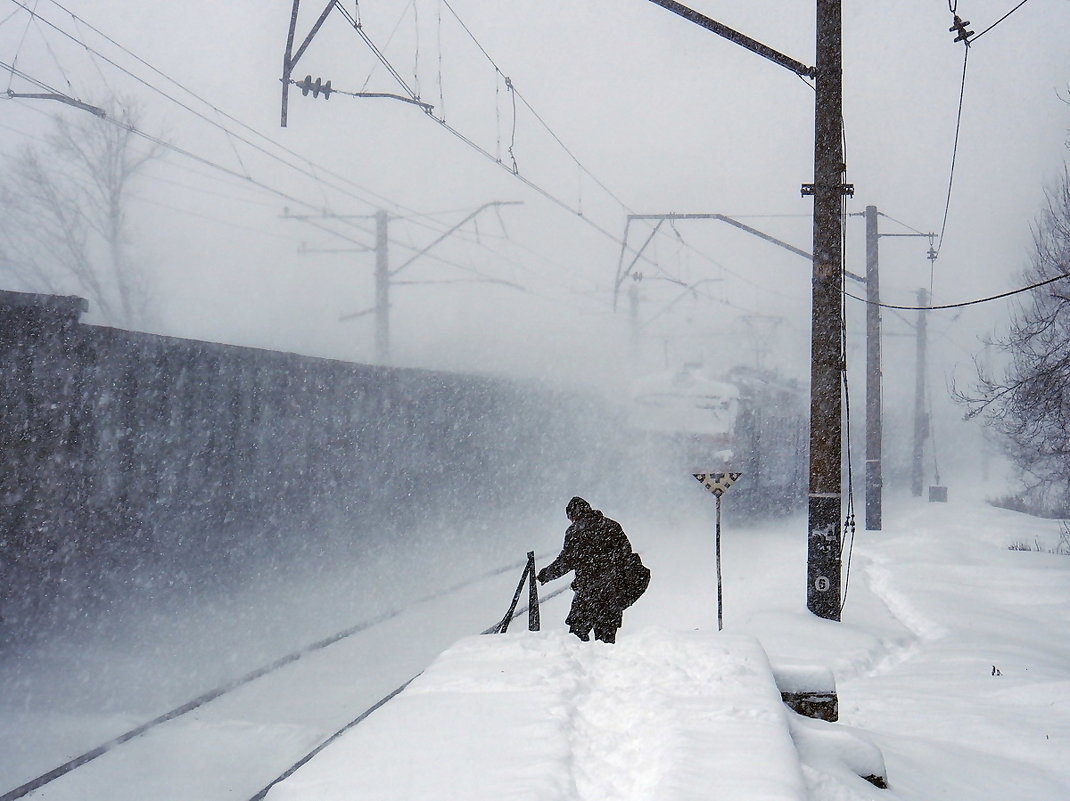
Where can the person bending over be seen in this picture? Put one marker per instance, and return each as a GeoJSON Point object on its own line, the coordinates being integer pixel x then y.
{"type": "Point", "coordinates": [597, 549]}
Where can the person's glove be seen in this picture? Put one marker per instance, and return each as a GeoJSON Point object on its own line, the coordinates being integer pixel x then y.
{"type": "Point", "coordinates": [541, 576]}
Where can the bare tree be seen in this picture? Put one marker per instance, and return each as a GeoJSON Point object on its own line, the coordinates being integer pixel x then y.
{"type": "Point", "coordinates": [1028, 401]}
{"type": "Point", "coordinates": [63, 226]}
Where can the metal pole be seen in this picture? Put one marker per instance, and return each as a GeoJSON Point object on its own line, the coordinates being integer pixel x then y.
{"type": "Point", "coordinates": [823, 543]}
{"type": "Point", "coordinates": [874, 479]}
{"type": "Point", "coordinates": [740, 39]}
{"type": "Point", "coordinates": [921, 422]}
{"type": "Point", "coordinates": [720, 622]}
{"type": "Point", "coordinates": [633, 317]}
{"type": "Point", "coordinates": [287, 61]}
{"type": "Point", "coordinates": [382, 289]}
{"type": "Point", "coordinates": [533, 594]}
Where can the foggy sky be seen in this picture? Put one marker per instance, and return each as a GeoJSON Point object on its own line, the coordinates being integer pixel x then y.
{"type": "Point", "coordinates": [668, 116]}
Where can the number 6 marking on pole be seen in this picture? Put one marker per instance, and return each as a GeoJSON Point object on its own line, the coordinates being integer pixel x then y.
{"type": "Point", "coordinates": [821, 584]}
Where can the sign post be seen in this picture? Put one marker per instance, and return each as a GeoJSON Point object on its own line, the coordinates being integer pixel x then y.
{"type": "Point", "coordinates": [718, 484]}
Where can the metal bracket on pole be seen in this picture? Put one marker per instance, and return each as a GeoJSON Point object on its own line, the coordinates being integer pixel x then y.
{"type": "Point", "coordinates": [70, 101]}
{"type": "Point", "coordinates": [713, 26]}
{"type": "Point", "coordinates": [289, 58]}
{"type": "Point", "coordinates": [847, 190]}
{"type": "Point", "coordinates": [722, 218]}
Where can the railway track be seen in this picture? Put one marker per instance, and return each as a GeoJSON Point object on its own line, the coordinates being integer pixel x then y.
{"type": "Point", "coordinates": [217, 744]}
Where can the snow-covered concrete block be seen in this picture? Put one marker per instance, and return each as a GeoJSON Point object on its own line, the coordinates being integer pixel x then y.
{"type": "Point", "coordinates": [809, 690]}
{"type": "Point", "coordinates": [837, 752]}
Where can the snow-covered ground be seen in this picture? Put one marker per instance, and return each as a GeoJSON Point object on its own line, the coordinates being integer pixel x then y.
{"type": "Point", "coordinates": [952, 658]}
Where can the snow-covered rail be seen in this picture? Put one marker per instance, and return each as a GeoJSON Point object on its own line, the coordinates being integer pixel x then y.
{"type": "Point", "coordinates": [272, 707]}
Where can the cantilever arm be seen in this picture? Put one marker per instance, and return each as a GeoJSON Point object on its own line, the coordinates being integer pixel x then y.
{"type": "Point", "coordinates": [735, 36]}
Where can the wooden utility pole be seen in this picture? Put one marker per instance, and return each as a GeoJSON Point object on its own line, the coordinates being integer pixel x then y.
{"type": "Point", "coordinates": [874, 479]}
{"type": "Point", "coordinates": [921, 419]}
{"type": "Point", "coordinates": [826, 356]}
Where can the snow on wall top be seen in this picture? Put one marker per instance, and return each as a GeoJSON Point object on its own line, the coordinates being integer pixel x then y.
{"type": "Point", "coordinates": [668, 715]}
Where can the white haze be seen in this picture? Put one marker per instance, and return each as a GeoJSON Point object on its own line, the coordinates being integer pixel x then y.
{"type": "Point", "coordinates": [669, 117]}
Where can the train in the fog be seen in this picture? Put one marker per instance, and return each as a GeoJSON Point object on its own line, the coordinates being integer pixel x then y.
{"type": "Point", "coordinates": [749, 421]}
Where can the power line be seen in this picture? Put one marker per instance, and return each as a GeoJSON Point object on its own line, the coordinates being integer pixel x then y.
{"type": "Point", "coordinates": [8, 18]}
{"type": "Point", "coordinates": [475, 145]}
{"type": "Point", "coordinates": [242, 176]}
{"type": "Point", "coordinates": [248, 180]}
{"type": "Point", "coordinates": [534, 113]}
{"type": "Point", "coordinates": [214, 123]}
{"type": "Point", "coordinates": [955, 149]}
{"type": "Point", "coordinates": [245, 179]}
{"type": "Point", "coordinates": [964, 303]}
{"type": "Point", "coordinates": [900, 222]}
{"type": "Point", "coordinates": [308, 172]}
{"type": "Point", "coordinates": [998, 21]}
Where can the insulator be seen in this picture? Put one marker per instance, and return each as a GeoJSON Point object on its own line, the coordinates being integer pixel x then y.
{"type": "Point", "coordinates": [317, 86]}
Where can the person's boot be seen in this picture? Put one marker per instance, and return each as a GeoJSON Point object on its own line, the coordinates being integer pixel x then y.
{"type": "Point", "coordinates": [583, 635]}
{"type": "Point", "coordinates": [606, 635]}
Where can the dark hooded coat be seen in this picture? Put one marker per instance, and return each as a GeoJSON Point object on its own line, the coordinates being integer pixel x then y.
{"type": "Point", "coordinates": [596, 548]}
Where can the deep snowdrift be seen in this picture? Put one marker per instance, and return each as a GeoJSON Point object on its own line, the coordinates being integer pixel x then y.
{"type": "Point", "coordinates": [666, 715]}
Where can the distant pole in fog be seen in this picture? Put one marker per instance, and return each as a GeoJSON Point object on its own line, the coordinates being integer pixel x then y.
{"type": "Point", "coordinates": [382, 288]}
{"type": "Point", "coordinates": [633, 318]}
{"type": "Point", "coordinates": [874, 479]}
{"type": "Point", "coordinates": [384, 275]}
{"type": "Point", "coordinates": [874, 423]}
{"type": "Point", "coordinates": [921, 420]}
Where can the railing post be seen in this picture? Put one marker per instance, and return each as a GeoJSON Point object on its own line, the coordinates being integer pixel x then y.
{"type": "Point", "coordinates": [533, 594]}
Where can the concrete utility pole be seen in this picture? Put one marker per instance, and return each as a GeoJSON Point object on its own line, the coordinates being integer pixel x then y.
{"type": "Point", "coordinates": [823, 543]}
{"type": "Point", "coordinates": [921, 419]}
{"type": "Point", "coordinates": [826, 357]}
{"type": "Point", "coordinates": [874, 479]}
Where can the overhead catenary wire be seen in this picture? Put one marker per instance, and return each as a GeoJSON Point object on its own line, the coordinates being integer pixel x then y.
{"type": "Point", "coordinates": [311, 170]}
{"type": "Point", "coordinates": [531, 184]}
{"type": "Point", "coordinates": [997, 22]}
{"type": "Point", "coordinates": [849, 517]}
{"type": "Point", "coordinates": [963, 303]}
{"type": "Point", "coordinates": [222, 168]}
{"type": "Point", "coordinates": [304, 166]}
{"type": "Point", "coordinates": [8, 18]}
{"type": "Point", "coordinates": [482, 150]}
{"type": "Point", "coordinates": [242, 175]}
{"type": "Point", "coordinates": [309, 205]}
{"type": "Point", "coordinates": [307, 171]}
{"type": "Point", "coordinates": [535, 113]}
{"type": "Point", "coordinates": [900, 222]}
{"type": "Point", "coordinates": [955, 147]}
{"type": "Point", "coordinates": [22, 41]}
